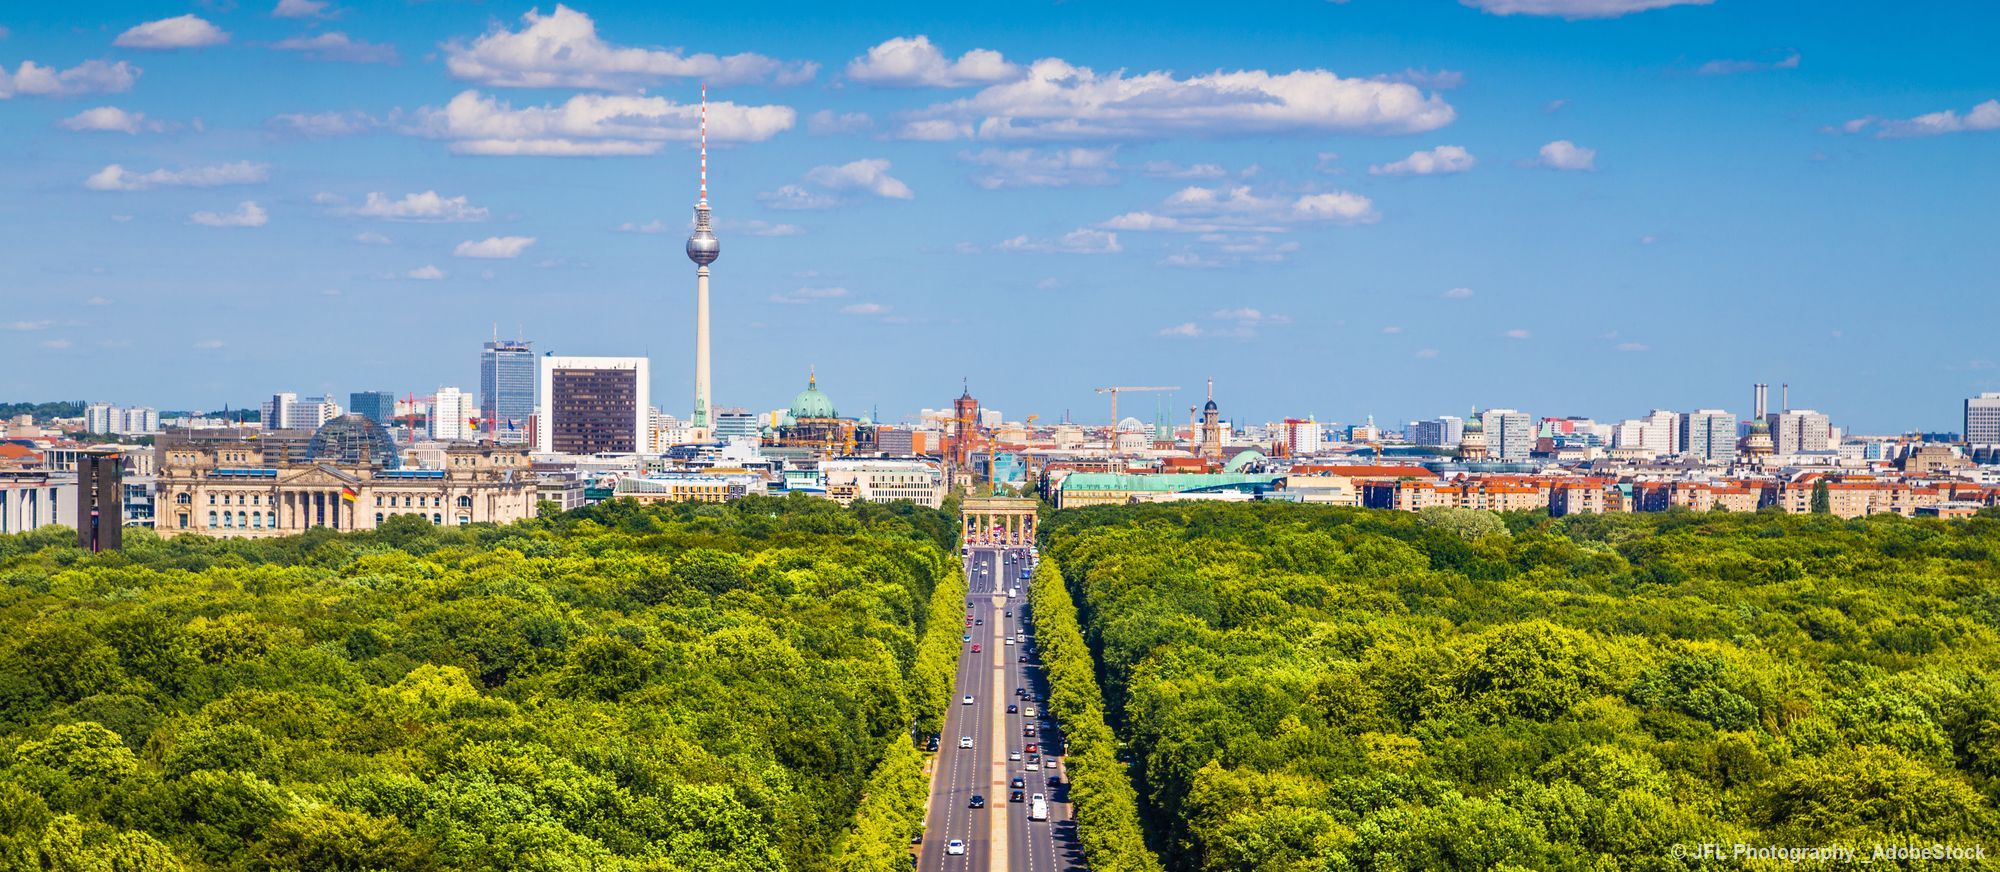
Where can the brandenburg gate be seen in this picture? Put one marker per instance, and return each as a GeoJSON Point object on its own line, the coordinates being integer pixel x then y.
{"type": "Point", "coordinates": [998, 522]}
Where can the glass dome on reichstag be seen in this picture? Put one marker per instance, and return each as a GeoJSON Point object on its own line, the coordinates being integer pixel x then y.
{"type": "Point", "coordinates": [352, 440]}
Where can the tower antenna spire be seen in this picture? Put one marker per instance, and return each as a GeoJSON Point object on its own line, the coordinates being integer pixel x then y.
{"type": "Point", "coordinates": [704, 142]}
{"type": "Point", "coordinates": [702, 248]}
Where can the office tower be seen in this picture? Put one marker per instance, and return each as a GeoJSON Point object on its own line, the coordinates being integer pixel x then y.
{"type": "Point", "coordinates": [1710, 435]}
{"type": "Point", "coordinates": [1982, 419]}
{"type": "Point", "coordinates": [1301, 437]}
{"type": "Point", "coordinates": [703, 249]}
{"type": "Point", "coordinates": [105, 418]}
{"type": "Point", "coordinates": [450, 411]}
{"type": "Point", "coordinates": [735, 424]}
{"type": "Point", "coordinates": [1443, 431]}
{"type": "Point", "coordinates": [1794, 431]}
{"type": "Point", "coordinates": [507, 389]}
{"type": "Point", "coordinates": [287, 411]}
{"type": "Point", "coordinates": [1509, 434]}
{"type": "Point", "coordinates": [593, 405]}
{"type": "Point", "coordinates": [100, 500]}
{"type": "Point", "coordinates": [377, 406]}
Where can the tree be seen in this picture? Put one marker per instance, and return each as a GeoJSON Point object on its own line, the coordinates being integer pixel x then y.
{"type": "Point", "coordinates": [1822, 498]}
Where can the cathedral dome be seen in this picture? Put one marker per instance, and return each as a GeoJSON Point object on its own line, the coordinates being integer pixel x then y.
{"type": "Point", "coordinates": [810, 403]}
{"type": "Point", "coordinates": [352, 440]}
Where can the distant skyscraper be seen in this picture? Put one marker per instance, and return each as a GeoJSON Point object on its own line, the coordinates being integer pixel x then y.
{"type": "Point", "coordinates": [377, 406]}
{"type": "Point", "coordinates": [1709, 434]}
{"type": "Point", "coordinates": [1982, 419]}
{"type": "Point", "coordinates": [507, 389]}
{"type": "Point", "coordinates": [703, 249]}
{"type": "Point", "coordinates": [1509, 434]}
{"type": "Point", "coordinates": [1794, 431]}
{"type": "Point", "coordinates": [734, 423]}
{"type": "Point", "coordinates": [1443, 431]}
{"type": "Point", "coordinates": [594, 405]}
{"type": "Point", "coordinates": [287, 411]}
{"type": "Point", "coordinates": [451, 411]}
{"type": "Point", "coordinates": [106, 418]}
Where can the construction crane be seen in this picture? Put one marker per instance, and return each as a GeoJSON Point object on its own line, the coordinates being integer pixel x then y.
{"type": "Point", "coordinates": [1114, 391]}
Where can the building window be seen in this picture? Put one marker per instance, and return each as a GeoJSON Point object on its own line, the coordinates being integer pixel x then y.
{"type": "Point", "coordinates": [211, 501]}
{"type": "Point", "coordinates": [437, 519]}
{"type": "Point", "coordinates": [271, 520]}
{"type": "Point", "coordinates": [183, 499]}
{"type": "Point", "coordinates": [406, 501]}
{"type": "Point", "coordinates": [465, 502]}
{"type": "Point", "coordinates": [464, 519]}
{"type": "Point", "coordinates": [257, 520]}
{"type": "Point", "coordinates": [184, 518]}
{"type": "Point", "coordinates": [228, 520]}
{"type": "Point", "coordinates": [211, 519]}
{"type": "Point", "coordinates": [378, 518]}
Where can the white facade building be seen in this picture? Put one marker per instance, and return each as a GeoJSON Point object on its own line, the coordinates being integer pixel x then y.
{"type": "Point", "coordinates": [288, 411]}
{"type": "Point", "coordinates": [1709, 434]}
{"type": "Point", "coordinates": [883, 480]}
{"type": "Point", "coordinates": [28, 502]}
{"type": "Point", "coordinates": [1797, 431]}
{"type": "Point", "coordinates": [450, 410]}
{"type": "Point", "coordinates": [1510, 435]}
{"type": "Point", "coordinates": [106, 418]}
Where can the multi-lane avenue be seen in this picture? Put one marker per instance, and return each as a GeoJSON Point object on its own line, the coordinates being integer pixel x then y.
{"type": "Point", "coordinates": [999, 710]}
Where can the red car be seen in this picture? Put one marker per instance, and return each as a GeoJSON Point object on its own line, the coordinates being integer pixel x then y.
{"type": "Point", "coordinates": [975, 647]}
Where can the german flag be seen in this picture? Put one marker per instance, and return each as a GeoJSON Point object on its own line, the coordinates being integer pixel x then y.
{"type": "Point", "coordinates": [349, 494]}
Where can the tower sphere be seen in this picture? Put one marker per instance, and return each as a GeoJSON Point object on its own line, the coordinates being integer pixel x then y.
{"type": "Point", "coordinates": [702, 247]}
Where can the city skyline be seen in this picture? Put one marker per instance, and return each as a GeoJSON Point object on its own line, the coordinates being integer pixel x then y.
{"type": "Point", "coordinates": [1388, 209]}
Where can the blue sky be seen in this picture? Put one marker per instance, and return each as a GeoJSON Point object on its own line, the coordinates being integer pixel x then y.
{"type": "Point", "coordinates": [1386, 207]}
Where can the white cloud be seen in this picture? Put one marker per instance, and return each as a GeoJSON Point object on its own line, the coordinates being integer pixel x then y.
{"type": "Point", "coordinates": [322, 123]}
{"type": "Point", "coordinates": [1563, 154]}
{"type": "Point", "coordinates": [1985, 116]}
{"type": "Point", "coordinates": [494, 247]}
{"type": "Point", "coordinates": [756, 227]}
{"type": "Point", "coordinates": [870, 174]}
{"type": "Point", "coordinates": [809, 295]}
{"type": "Point", "coordinates": [1575, 9]}
{"type": "Point", "coordinates": [1426, 353]}
{"type": "Point", "coordinates": [562, 50]}
{"type": "Point", "coordinates": [1048, 284]}
{"type": "Point", "coordinates": [247, 214]}
{"type": "Point", "coordinates": [57, 344]}
{"type": "Point", "coordinates": [1424, 77]}
{"type": "Point", "coordinates": [913, 62]}
{"type": "Point", "coordinates": [89, 77]}
{"type": "Point", "coordinates": [98, 301]}
{"type": "Point", "coordinates": [1239, 209]}
{"type": "Point", "coordinates": [1442, 160]}
{"type": "Point", "coordinates": [1634, 346]}
{"type": "Point", "coordinates": [209, 344]}
{"type": "Point", "coordinates": [28, 325]}
{"type": "Point", "coordinates": [426, 273]}
{"type": "Point", "coordinates": [864, 309]}
{"type": "Point", "coordinates": [110, 119]}
{"type": "Point", "coordinates": [370, 237]}
{"type": "Point", "coordinates": [826, 122]}
{"type": "Point", "coordinates": [796, 197]}
{"type": "Point", "coordinates": [934, 130]}
{"type": "Point", "coordinates": [1516, 333]}
{"type": "Point", "coordinates": [1240, 323]}
{"type": "Point", "coordinates": [1458, 294]}
{"type": "Point", "coordinates": [1059, 101]}
{"type": "Point", "coordinates": [116, 178]}
{"type": "Point", "coordinates": [337, 46]}
{"type": "Point", "coordinates": [1032, 168]}
{"type": "Point", "coordinates": [425, 207]}
{"type": "Point", "coordinates": [299, 9]}
{"type": "Point", "coordinates": [186, 31]}
{"type": "Point", "coordinates": [591, 125]}
{"type": "Point", "coordinates": [1166, 169]}
{"type": "Point", "coordinates": [1183, 330]}
{"type": "Point", "coordinates": [1732, 67]}
{"type": "Point", "coordinates": [655, 226]}
{"type": "Point", "coordinates": [1192, 260]}
{"type": "Point", "coordinates": [1080, 241]}
{"type": "Point", "coordinates": [1392, 330]}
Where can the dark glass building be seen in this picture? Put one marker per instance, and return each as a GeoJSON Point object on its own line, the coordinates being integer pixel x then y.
{"type": "Point", "coordinates": [377, 406]}
{"type": "Point", "coordinates": [593, 410]}
{"type": "Point", "coordinates": [507, 389]}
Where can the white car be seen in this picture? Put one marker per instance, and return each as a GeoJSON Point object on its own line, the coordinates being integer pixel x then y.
{"type": "Point", "coordinates": [965, 741]}
{"type": "Point", "coordinates": [1028, 712]}
{"type": "Point", "coordinates": [1009, 641]}
{"type": "Point", "coordinates": [1014, 755]}
{"type": "Point", "coordinates": [1049, 765]}
{"type": "Point", "coordinates": [955, 847]}
{"type": "Point", "coordinates": [966, 701]}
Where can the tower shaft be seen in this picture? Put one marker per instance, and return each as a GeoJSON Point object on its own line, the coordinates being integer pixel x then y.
{"type": "Point", "coordinates": [702, 388]}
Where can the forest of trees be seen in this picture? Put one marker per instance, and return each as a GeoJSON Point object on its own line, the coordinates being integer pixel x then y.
{"type": "Point", "coordinates": [672, 688]}
{"type": "Point", "coordinates": [1314, 688]}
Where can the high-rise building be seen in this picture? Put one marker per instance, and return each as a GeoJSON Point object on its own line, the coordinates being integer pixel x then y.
{"type": "Point", "coordinates": [1710, 435]}
{"type": "Point", "coordinates": [377, 406]}
{"type": "Point", "coordinates": [703, 249]}
{"type": "Point", "coordinates": [106, 418]}
{"type": "Point", "coordinates": [1300, 437]}
{"type": "Point", "coordinates": [1443, 431]}
{"type": "Point", "coordinates": [594, 405]}
{"type": "Point", "coordinates": [1509, 434]}
{"type": "Point", "coordinates": [1982, 419]}
{"type": "Point", "coordinates": [507, 389]}
{"type": "Point", "coordinates": [451, 410]}
{"type": "Point", "coordinates": [1794, 431]}
{"type": "Point", "coordinates": [287, 411]}
{"type": "Point", "coordinates": [735, 424]}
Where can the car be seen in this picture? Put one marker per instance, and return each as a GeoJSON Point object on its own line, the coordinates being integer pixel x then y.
{"type": "Point", "coordinates": [1021, 659]}
{"type": "Point", "coordinates": [1020, 782]}
{"type": "Point", "coordinates": [1034, 759]}
{"type": "Point", "coordinates": [1014, 756]}
{"type": "Point", "coordinates": [1033, 748]}
{"type": "Point", "coordinates": [954, 848]}
{"type": "Point", "coordinates": [1028, 730]}
{"type": "Point", "coordinates": [1014, 797]}
{"type": "Point", "coordinates": [931, 744]}
{"type": "Point", "coordinates": [1049, 765]}
{"type": "Point", "coordinates": [965, 741]}
{"type": "Point", "coordinates": [1012, 708]}
{"type": "Point", "coordinates": [917, 839]}
{"type": "Point", "coordinates": [1028, 712]}
{"type": "Point", "coordinates": [979, 621]}
{"type": "Point", "coordinates": [966, 701]}
{"type": "Point", "coordinates": [965, 637]}
{"type": "Point", "coordinates": [1020, 691]}
{"type": "Point", "coordinates": [1008, 641]}
{"type": "Point", "coordinates": [1055, 780]}
{"type": "Point", "coordinates": [977, 802]}
{"type": "Point", "coordinates": [975, 647]}
{"type": "Point", "coordinates": [1010, 613]}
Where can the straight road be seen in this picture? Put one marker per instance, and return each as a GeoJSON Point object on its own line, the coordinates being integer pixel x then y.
{"type": "Point", "coordinates": [1002, 673]}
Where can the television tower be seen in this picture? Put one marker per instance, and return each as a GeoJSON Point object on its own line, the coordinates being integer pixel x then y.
{"type": "Point", "coordinates": [702, 248]}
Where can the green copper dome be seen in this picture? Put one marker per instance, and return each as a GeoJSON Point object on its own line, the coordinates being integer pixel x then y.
{"type": "Point", "coordinates": [810, 403]}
